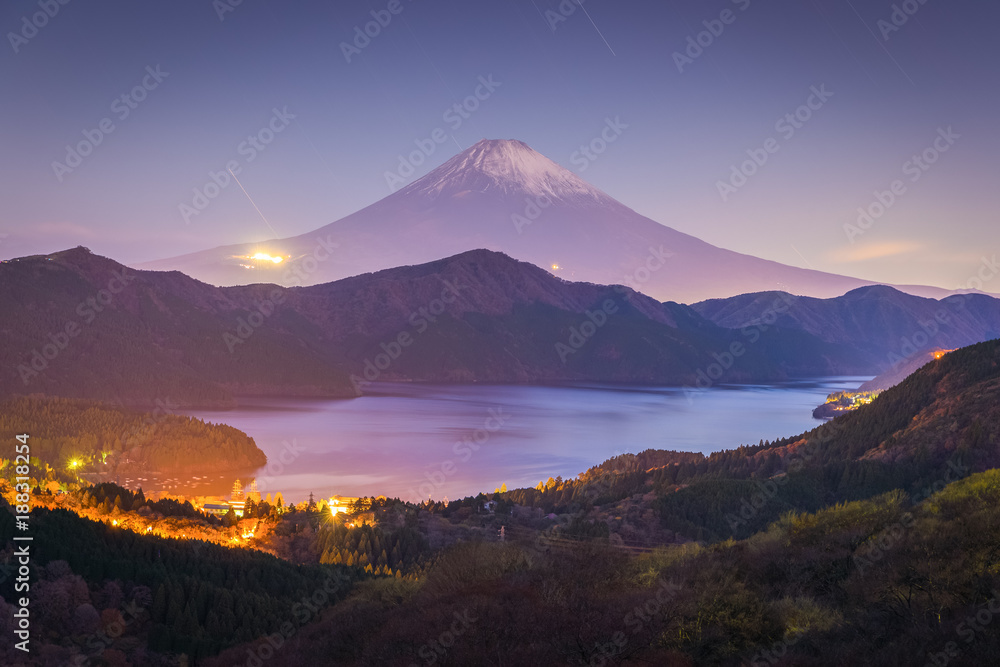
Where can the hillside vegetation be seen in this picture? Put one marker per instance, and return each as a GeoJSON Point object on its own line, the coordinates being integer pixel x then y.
{"type": "Point", "coordinates": [75, 436]}
{"type": "Point", "coordinates": [872, 539]}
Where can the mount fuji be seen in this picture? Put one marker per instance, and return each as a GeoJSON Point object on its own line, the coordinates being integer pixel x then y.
{"type": "Point", "coordinates": [502, 195]}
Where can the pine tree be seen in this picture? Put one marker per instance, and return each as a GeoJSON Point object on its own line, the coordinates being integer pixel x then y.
{"type": "Point", "coordinates": [158, 613]}
{"type": "Point", "coordinates": [175, 603]}
{"type": "Point", "coordinates": [213, 627]}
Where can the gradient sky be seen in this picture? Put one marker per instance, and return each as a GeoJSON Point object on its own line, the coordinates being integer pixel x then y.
{"type": "Point", "coordinates": [614, 60]}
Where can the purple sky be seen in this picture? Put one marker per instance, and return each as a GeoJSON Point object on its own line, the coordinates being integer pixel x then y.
{"type": "Point", "coordinates": [560, 77]}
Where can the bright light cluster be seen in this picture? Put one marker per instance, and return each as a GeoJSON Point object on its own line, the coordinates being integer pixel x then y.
{"type": "Point", "coordinates": [267, 258]}
{"type": "Point", "coordinates": [256, 259]}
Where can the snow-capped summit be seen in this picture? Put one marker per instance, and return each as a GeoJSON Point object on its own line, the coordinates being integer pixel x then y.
{"type": "Point", "coordinates": [507, 167]}
{"type": "Point", "coordinates": [502, 195]}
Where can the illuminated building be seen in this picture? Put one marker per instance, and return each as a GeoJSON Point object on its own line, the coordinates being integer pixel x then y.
{"type": "Point", "coordinates": [340, 504]}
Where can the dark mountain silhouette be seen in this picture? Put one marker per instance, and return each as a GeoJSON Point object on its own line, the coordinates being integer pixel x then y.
{"type": "Point", "coordinates": [884, 325]}
{"type": "Point", "coordinates": [83, 326]}
{"type": "Point", "coordinates": [78, 325]}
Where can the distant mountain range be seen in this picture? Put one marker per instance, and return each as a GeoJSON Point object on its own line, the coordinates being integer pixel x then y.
{"type": "Point", "coordinates": [885, 326]}
{"type": "Point", "coordinates": [501, 195]}
{"type": "Point", "coordinates": [78, 325]}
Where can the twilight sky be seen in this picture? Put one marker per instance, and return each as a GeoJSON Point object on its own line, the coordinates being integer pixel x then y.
{"type": "Point", "coordinates": [211, 83]}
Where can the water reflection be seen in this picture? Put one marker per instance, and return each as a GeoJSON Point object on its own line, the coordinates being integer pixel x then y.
{"type": "Point", "coordinates": [411, 440]}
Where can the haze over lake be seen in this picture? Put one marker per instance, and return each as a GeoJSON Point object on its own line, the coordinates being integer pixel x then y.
{"type": "Point", "coordinates": [411, 440]}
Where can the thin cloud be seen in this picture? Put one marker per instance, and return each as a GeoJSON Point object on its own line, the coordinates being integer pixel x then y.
{"type": "Point", "coordinates": [864, 252]}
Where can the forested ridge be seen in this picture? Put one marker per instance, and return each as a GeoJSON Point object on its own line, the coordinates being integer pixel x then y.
{"type": "Point", "coordinates": [99, 438]}
{"type": "Point", "coordinates": [872, 539]}
{"type": "Point", "coordinates": [189, 597]}
{"type": "Point", "coordinates": [945, 417]}
{"type": "Point", "coordinates": [83, 326]}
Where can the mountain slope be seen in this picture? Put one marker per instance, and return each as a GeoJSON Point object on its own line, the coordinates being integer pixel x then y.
{"type": "Point", "coordinates": [509, 321]}
{"type": "Point", "coordinates": [940, 424]}
{"type": "Point", "coordinates": [479, 316]}
{"type": "Point", "coordinates": [837, 561]}
{"type": "Point", "coordinates": [897, 374]}
{"type": "Point", "coordinates": [885, 325]}
{"type": "Point", "coordinates": [476, 317]}
{"type": "Point", "coordinates": [502, 195]}
{"type": "Point", "coordinates": [78, 325]}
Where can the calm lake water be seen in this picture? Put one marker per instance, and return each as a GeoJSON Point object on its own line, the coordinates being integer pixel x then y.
{"type": "Point", "coordinates": [415, 441]}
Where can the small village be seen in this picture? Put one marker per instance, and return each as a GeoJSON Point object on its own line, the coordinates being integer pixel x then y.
{"type": "Point", "coordinates": [239, 498]}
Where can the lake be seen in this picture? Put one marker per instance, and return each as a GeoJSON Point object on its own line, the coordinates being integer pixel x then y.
{"type": "Point", "coordinates": [420, 440]}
